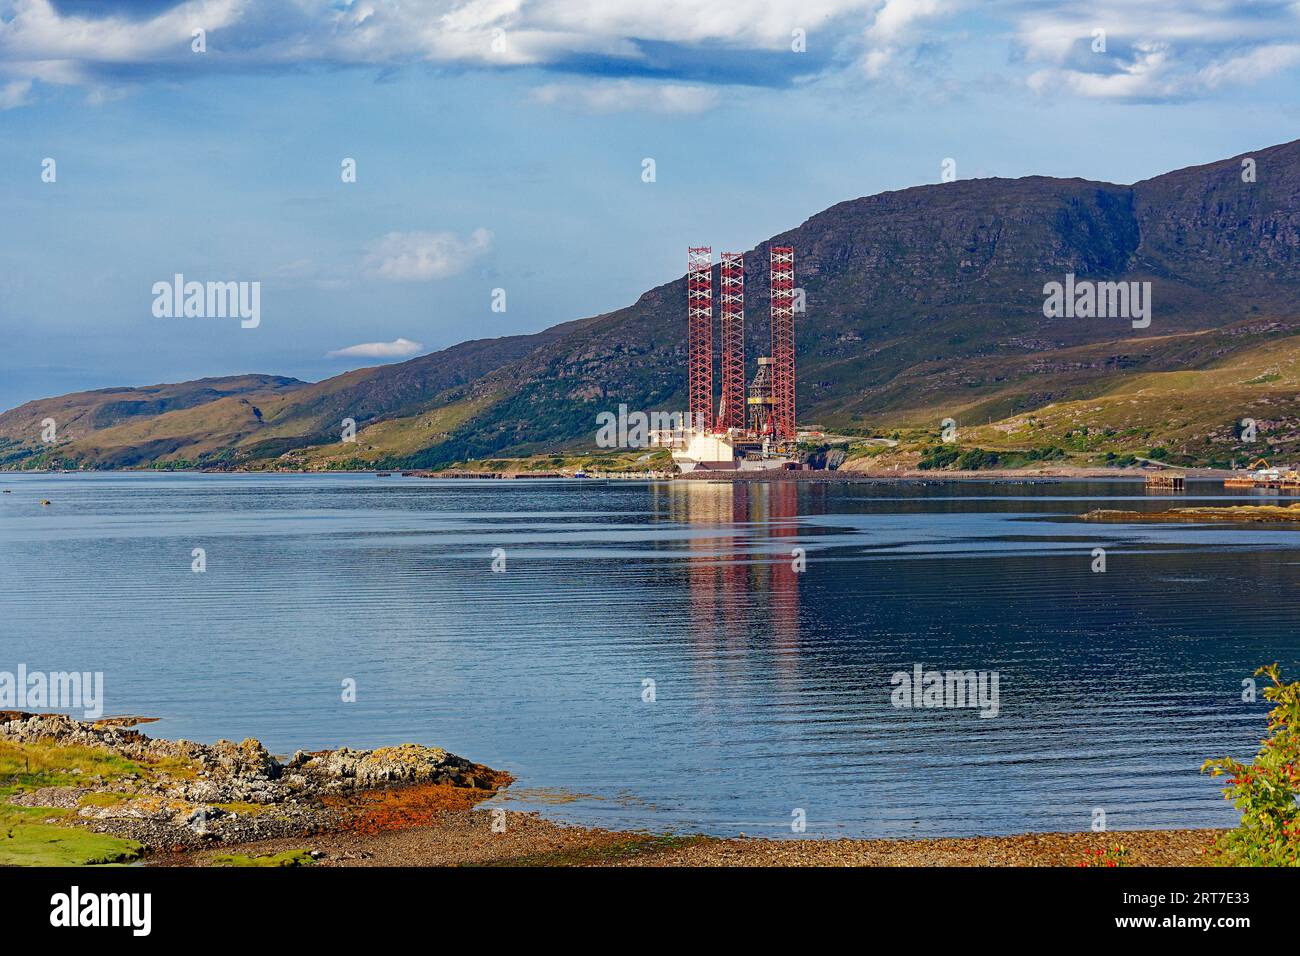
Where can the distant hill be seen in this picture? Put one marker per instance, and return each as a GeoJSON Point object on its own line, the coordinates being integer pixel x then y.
{"type": "Point", "coordinates": [922, 304]}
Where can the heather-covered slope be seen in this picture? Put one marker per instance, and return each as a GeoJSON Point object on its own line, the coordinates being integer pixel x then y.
{"type": "Point", "coordinates": [928, 302]}
{"type": "Point", "coordinates": [921, 303]}
{"type": "Point", "coordinates": [132, 414]}
{"type": "Point", "coordinates": [220, 421]}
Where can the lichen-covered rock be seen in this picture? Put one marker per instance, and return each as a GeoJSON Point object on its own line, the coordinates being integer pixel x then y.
{"type": "Point", "coordinates": [247, 759]}
{"type": "Point", "coordinates": [409, 763]}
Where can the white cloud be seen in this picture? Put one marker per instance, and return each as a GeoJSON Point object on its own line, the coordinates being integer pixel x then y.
{"type": "Point", "coordinates": [1158, 50]}
{"type": "Point", "coordinates": [895, 26]}
{"type": "Point", "coordinates": [1251, 66]}
{"type": "Point", "coordinates": [609, 96]}
{"type": "Point", "coordinates": [895, 17]}
{"type": "Point", "coordinates": [398, 348]}
{"type": "Point", "coordinates": [757, 24]}
{"type": "Point", "coordinates": [874, 63]}
{"type": "Point", "coordinates": [1144, 76]}
{"type": "Point", "coordinates": [56, 48]}
{"type": "Point", "coordinates": [14, 94]}
{"type": "Point", "coordinates": [422, 256]}
{"type": "Point", "coordinates": [59, 47]}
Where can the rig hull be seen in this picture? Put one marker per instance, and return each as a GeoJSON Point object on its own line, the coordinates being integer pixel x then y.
{"type": "Point", "coordinates": [706, 451]}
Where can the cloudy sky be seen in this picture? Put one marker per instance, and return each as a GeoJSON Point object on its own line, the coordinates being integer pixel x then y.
{"type": "Point", "coordinates": [502, 145]}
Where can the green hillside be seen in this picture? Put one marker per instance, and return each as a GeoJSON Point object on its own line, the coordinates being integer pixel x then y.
{"type": "Point", "coordinates": [922, 304]}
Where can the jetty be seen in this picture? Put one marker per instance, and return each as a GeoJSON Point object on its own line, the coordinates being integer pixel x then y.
{"type": "Point", "coordinates": [1262, 476]}
{"type": "Point", "coordinates": [1167, 481]}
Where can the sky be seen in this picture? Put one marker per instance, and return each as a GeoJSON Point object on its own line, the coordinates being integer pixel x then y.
{"type": "Point", "coordinates": [503, 151]}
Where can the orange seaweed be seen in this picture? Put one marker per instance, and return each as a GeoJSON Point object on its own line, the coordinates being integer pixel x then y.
{"type": "Point", "coordinates": [412, 805]}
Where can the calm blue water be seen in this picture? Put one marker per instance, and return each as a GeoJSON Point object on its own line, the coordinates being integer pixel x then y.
{"type": "Point", "coordinates": [772, 687]}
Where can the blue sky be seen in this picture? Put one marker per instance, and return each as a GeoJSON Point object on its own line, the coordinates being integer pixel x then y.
{"type": "Point", "coordinates": [499, 144]}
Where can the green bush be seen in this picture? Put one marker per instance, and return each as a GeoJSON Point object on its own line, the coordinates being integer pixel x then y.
{"type": "Point", "coordinates": [976, 459]}
{"type": "Point", "coordinates": [938, 456]}
{"type": "Point", "coordinates": [1267, 790]}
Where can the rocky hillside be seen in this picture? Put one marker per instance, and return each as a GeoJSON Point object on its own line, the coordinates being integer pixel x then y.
{"type": "Point", "coordinates": [216, 421]}
{"type": "Point", "coordinates": [922, 304]}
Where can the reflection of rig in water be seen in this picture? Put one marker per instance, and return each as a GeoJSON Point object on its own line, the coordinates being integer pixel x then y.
{"type": "Point", "coordinates": [740, 566]}
{"type": "Point", "coordinates": [753, 429]}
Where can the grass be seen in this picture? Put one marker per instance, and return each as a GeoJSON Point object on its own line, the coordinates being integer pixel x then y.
{"type": "Point", "coordinates": [246, 809]}
{"type": "Point", "coordinates": [287, 858]}
{"type": "Point", "coordinates": [104, 798]}
{"type": "Point", "coordinates": [47, 844]}
{"type": "Point", "coordinates": [1291, 512]}
{"type": "Point", "coordinates": [395, 437]}
{"type": "Point", "coordinates": [27, 839]}
{"type": "Point", "coordinates": [29, 766]}
{"type": "Point", "coordinates": [1242, 513]}
{"type": "Point", "coordinates": [612, 460]}
{"type": "Point", "coordinates": [1191, 416]}
{"type": "Point", "coordinates": [42, 836]}
{"type": "Point", "coordinates": [1192, 413]}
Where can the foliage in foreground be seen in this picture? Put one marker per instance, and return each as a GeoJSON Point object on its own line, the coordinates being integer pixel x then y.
{"type": "Point", "coordinates": [1116, 855]}
{"type": "Point", "coordinates": [1267, 790]}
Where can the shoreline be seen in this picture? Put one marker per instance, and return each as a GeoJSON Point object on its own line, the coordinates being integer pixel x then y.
{"type": "Point", "coordinates": [1243, 514]}
{"type": "Point", "coordinates": [78, 792]}
{"type": "Point", "coordinates": [911, 475]}
{"type": "Point", "coordinates": [936, 476]}
{"type": "Point", "coordinates": [466, 838]}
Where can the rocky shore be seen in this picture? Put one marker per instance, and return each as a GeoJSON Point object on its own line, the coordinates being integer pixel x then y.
{"type": "Point", "coordinates": [468, 838]}
{"type": "Point", "coordinates": [175, 795]}
{"type": "Point", "coordinates": [78, 792]}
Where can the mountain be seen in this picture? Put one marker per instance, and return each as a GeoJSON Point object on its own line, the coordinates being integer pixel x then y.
{"type": "Point", "coordinates": [922, 304]}
{"type": "Point", "coordinates": [226, 407]}
{"type": "Point", "coordinates": [240, 419]}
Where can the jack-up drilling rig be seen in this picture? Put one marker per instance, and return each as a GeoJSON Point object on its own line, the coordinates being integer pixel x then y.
{"type": "Point", "coordinates": [750, 428]}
